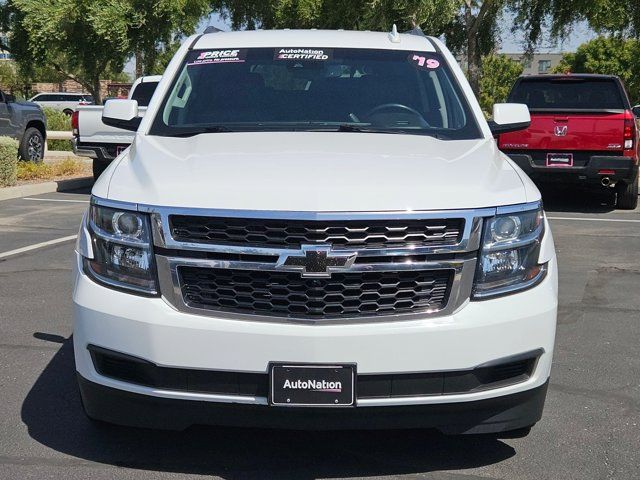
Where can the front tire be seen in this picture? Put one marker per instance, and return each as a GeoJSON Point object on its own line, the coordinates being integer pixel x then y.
{"type": "Point", "coordinates": [627, 195]}
{"type": "Point", "coordinates": [32, 146]}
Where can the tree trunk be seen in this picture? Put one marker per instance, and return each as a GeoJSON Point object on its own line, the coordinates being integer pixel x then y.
{"type": "Point", "coordinates": [96, 91]}
{"type": "Point", "coordinates": [139, 65]}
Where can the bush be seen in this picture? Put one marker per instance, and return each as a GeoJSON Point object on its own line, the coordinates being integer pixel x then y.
{"type": "Point", "coordinates": [47, 171]}
{"type": "Point", "coordinates": [8, 161]}
{"type": "Point", "coordinates": [58, 121]}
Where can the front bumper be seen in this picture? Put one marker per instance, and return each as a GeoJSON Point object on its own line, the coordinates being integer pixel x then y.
{"type": "Point", "coordinates": [624, 167]}
{"type": "Point", "coordinates": [479, 332]}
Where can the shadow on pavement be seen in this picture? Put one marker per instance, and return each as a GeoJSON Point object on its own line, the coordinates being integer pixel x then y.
{"type": "Point", "coordinates": [54, 417]}
{"type": "Point", "coordinates": [563, 198]}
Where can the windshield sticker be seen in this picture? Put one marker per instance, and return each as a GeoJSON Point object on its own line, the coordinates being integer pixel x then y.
{"type": "Point", "coordinates": [314, 54]}
{"type": "Point", "coordinates": [422, 62]}
{"type": "Point", "coordinates": [219, 56]}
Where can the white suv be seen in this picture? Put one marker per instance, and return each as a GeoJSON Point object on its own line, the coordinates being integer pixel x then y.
{"type": "Point", "coordinates": [66, 102]}
{"type": "Point", "coordinates": [315, 229]}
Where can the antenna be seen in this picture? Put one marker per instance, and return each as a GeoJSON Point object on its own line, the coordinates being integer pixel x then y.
{"type": "Point", "coordinates": [394, 36]}
{"type": "Point", "coordinates": [212, 29]}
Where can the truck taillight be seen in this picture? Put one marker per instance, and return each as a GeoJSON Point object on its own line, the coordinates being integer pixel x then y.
{"type": "Point", "coordinates": [630, 134]}
{"type": "Point", "coordinates": [74, 122]}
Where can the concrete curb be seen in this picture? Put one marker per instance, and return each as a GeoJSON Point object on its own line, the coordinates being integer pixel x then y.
{"type": "Point", "coordinates": [27, 190]}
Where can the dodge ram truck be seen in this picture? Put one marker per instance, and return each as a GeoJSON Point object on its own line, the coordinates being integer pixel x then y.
{"type": "Point", "coordinates": [93, 139]}
{"type": "Point", "coordinates": [583, 131]}
{"type": "Point", "coordinates": [315, 229]}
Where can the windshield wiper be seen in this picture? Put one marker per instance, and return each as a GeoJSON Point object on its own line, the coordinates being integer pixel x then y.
{"type": "Point", "coordinates": [190, 132]}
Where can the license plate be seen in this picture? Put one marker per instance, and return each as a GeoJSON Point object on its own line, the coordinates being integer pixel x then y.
{"type": "Point", "coordinates": [559, 159]}
{"type": "Point", "coordinates": [312, 385]}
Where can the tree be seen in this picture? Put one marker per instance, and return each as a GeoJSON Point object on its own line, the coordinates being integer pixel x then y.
{"type": "Point", "coordinates": [498, 76]}
{"type": "Point", "coordinates": [85, 40]}
{"type": "Point", "coordinates": [612, 56]}
{"type": "Point", "coordinates": [474, 32]}
{"type": "Point", "coordinates": [470, 26]}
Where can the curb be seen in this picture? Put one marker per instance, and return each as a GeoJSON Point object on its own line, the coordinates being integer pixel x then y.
{"type": "Point", "coordinates": [46, 187]}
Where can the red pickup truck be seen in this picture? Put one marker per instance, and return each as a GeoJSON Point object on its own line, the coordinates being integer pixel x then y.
{"type": "Point", "coordinates": [583, 130]}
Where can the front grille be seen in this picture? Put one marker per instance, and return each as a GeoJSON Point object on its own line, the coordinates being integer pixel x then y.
{"type": "Point", "coordinates": [294, 233]}
{"type": "Point", "coordinates": [288, 294]}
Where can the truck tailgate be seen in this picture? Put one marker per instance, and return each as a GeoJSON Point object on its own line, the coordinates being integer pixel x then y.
{"type": "Point", "coordinates": [562, 132]}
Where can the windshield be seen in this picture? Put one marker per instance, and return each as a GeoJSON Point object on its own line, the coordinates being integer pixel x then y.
{"type": "Point", "coordinates": [568, 93]}
{"type": "Point", "coordinates": [291, 89]}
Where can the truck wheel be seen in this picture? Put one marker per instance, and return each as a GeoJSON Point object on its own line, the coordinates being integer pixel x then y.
{"type": "Point", "coordinates": [68, 112]}
{"type": "Point", "coordinates": [98, 168]}
{"type": "Point", "coordinates": [627, 195]}
{"type": "Point", "coordinates": [32, 145]}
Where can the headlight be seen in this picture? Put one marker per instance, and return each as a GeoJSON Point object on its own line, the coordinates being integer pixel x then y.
{"type": "Point", "coordinates": [509, 254]}
{"type": "Point", "coordinates": [122, 253]}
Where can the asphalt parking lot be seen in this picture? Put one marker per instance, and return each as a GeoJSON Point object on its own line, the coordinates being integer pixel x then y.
{"type": "Point", "coordinates": [590, 428]}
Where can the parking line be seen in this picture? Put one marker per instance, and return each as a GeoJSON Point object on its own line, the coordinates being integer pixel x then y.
{"type": "Point", "coordinates": [37, 245]}
{"type": "Point", "coordinates": [591, 219]}
{"type": "Point", "coordinates": [54, 200]}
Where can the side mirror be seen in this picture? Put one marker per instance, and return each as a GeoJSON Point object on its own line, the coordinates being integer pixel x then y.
{"type": "Point", "coordinates": [121, 114]}
{"type": "Point", "coordinates": [636, 111]}
{"type": "Point", "coordinates": [509, 117]}
{"type": "Point", "coordinates": [8, 98]}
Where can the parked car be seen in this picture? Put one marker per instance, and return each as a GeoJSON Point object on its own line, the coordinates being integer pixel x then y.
{"type": "Point", "coordinates": [66, 102]}
{"type": "Point", "coordinates": [582, 131]}
{"type": "Point", "coordinates": [102, 143]}
{"type": "Point", "coordinates": [25, 122]}
{"type": "Point", "coordinates": [315, 229]}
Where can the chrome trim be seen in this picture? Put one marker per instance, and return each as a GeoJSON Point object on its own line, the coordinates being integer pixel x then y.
{"type": "Point", "coordinates": [459, 294]}
{"type": "Point", "coordinates": [470, 240]}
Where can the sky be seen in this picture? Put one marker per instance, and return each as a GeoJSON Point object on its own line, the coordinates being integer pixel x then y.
{"type": "Point", "coordinates": [511, 42]}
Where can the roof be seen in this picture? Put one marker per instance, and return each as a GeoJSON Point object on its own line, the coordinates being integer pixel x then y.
{"type": "Point", "coordinates": [551, 76]}
{"type": "Point", "coordinates": [313, 38]}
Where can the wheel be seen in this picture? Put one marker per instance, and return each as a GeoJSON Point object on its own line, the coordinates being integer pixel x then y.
{"type": "Point", "coordinates": [32, 145]}
{"type": "Point", "coordinates": [67, 111]}
{"type": "Point", "coordinates": [98, 168]}
{"type": "Point", "coordinates": [627, 195]}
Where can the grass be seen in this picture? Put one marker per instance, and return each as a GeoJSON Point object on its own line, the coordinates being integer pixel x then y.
{"type": "Point", "coordinates": [30, 171]}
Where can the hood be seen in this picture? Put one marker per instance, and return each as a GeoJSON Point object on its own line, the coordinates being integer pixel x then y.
{"type": "Point", "coordinates": [313, 171]}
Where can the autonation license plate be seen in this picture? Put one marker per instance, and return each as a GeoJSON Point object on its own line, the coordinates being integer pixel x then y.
{"type": "Point", "coordinates": [560, 160]}
{"type": "Point", "coordinates": [312, 385]}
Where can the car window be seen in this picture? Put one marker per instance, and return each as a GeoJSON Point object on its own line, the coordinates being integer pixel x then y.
{"type": "Point", "coordinates": [312, 89]}
{"type": "Point", "coordinates": [143, 93]}
{"type": "Point", "coordinates": [568, 93]}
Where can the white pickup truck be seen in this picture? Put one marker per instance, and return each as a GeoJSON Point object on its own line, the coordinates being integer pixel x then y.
{"type": "Point", "coordinates": [93, 139]}
{"type": "Point", "coordinates": [315, 229]}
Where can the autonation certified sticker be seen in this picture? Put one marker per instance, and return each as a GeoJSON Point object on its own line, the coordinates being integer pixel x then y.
{"type": "Point", "coordinates": [317, 54]}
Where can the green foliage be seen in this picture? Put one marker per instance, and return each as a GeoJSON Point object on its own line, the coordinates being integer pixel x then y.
{"type": "Point", "coordinates": [611, 56]}
{"type": "Point", "coordinates": [58, 121]}
{"type": "Point", "coordinates": [498, 76]}
{"type": "Point", "coordinates": [87, 40]}
{"type": "Point", "coordinates": [431, 15]}
{"type": "Point", "coordinates": [8, 161]}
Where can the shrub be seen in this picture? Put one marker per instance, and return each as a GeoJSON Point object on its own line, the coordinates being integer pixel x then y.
{"type": "Point", "coordinates": [8, 161]}
{"type": "Point", "coordinates": [58, 121]}
{"type": "Point", "coordinates": [47, 171]}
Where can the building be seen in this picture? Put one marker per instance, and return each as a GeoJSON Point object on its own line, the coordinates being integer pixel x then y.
{"type": "Point", "coordinates": [538, 63]}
